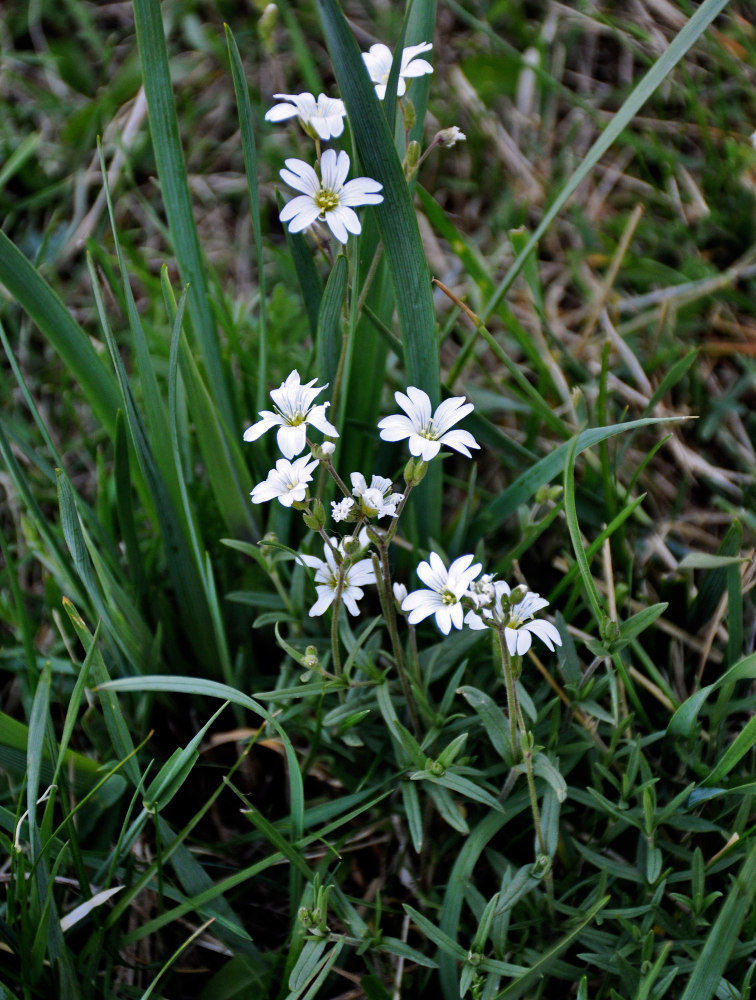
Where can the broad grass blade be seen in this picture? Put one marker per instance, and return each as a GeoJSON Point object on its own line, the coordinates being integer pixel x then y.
{"type": "Point", "coordinates": [249, 150]}
{"type": "Point", "coordinates": [175, 189]}
{"type": "Point", "coordinates": [61, 330]}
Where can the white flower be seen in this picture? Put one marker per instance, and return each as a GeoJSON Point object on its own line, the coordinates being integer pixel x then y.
{"type": "Point", "coordinates": [354, 577]}
{"type": "Point", "coordinates": [340, 511]}
{"type": "Point", "coordinates": [294, 411]}
{"type": "Point", "coordinates": [375, 500]}
{"type": "Point", "coordinates": [327, 198]}
{"type": "Point", "coordinates": [323, 118]}
{"type": "Point", "coordinates": [519, 628]}
{"type": "Point", "coordinates": [400, 592]}
{"type": "Point", "coordinates": [287, 482]}
{"type": "Point", "coordinates": [379, 59]}
{"type": "Point", "coordinates": [427, 433]}
{"type": "Point", "coordinates": [447, 587]}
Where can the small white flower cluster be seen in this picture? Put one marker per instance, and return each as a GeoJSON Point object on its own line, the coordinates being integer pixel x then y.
{"type": "Point", "coordinates": [490, 604]}
{"type": "Point", "coordinates": [325, 194]}
{"type": "Point", "coordinates": [294, 411]}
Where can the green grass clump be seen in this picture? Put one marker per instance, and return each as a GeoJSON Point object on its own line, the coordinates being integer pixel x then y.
{"type": "Point", "coordinates": [206, 790]}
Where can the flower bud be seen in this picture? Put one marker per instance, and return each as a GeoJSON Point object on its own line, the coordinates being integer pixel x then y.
{"type": "Point", "coordinates": [411, 157]}
{"type": "Point", "coordinates": [266, 26]}
{"type": "Point", "coordinates": [328, 447]}
{"type": "Point", "coordinates": [546, 493]}
{"type": "Point", "coordinates": [414, 471]}
{"type": "Point", "coordinates": [409, 113]}
{"type": "Point", "coordinates": [315, 519]}
{"type": "Point", "coordinates": [609, 630]}
{"type": "Point", "coordinates": [518, 594]}
{"type": "Point", "coordinates": [351, 545]}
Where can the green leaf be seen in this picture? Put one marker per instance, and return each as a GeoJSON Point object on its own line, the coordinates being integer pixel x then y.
{"type": "Point", "coordinates": [743, 743]}
{"type": "Point", "coordinates": [171, 168]}
{"type": "Point", "coordinates": [548, 956]}
{"type": "Point", "coordinates": [712, 960]}
{"type": "Point", "coordinates": [396, 219]}
{"type": "Point", "coordinates": [175, 771]}
{"type": "Point", "coordinates": [249, 150]}
{"type": "Point", "coordinates": [329, 337]}
{"type": "Point", "coordinates": [683, 721]}
{"type": "Point", "coordinates": [707, 560]}
{"type": "Point", "coordinates": [61, 330]}
{"type": "Point", "coordinates": [589, 585]}
{"type": "Point", "coordinates": [544, 470]}
{"type": "Point", "coordinates": [638, 623]}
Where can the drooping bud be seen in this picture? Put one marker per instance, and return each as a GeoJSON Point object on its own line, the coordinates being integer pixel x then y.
{"type": "Point", "coordinates": [450, 136]}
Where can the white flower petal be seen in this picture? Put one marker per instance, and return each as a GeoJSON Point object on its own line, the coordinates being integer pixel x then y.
{"type": "Point", "coordinates": [292, 440]}
{"type": "Point", "coordinates": [280, 113]}
{"type": "Point", "coordinates": [460, 441]}
{"type": "Point", "coordinates": [361, 191]}
{"type": "Point", "coordinates": [301, 176]}
{"type": "Point", "coordinates": [337, 227]}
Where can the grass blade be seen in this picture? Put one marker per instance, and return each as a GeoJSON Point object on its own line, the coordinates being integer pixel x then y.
{"type": "Point", "coordinates": [61, 330]}
{"type": "Point", "coordinates": [249, 149]}
{"type": "Point", "coordinates": [175, 190]}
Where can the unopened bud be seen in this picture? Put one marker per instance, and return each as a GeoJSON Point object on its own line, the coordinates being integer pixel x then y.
{"type": "Point", "coordinates": [414, 471]}
{"type": "Point", "coordinates": [609, 630]}
{"type": "Point", "coordinates": [304, 916]}
{"type": "Point", "coordinates": [351, 545]}
{"type": "Point", "coordinates": [315, 519]}
{"type": "Point", "coordinates": [547, 493]}
{"type": "Point", "coordinates": [410, 116]}
{"type": "Point", "coordinates": [328, 448]}
{"type": "Point", "coordinates": [518, 594]}
{"type": "Point", "coordinates": [411, 157]}
{"type": "Point", "coordinates": [267, 25]}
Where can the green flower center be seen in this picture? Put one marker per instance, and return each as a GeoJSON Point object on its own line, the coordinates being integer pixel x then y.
{"type": "Point", "coordinates": [326, 200]}
{"type": "Point", "coordinates": [448, 597]}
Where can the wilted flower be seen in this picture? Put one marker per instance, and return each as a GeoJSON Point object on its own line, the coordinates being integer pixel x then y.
{"type": "Point", "coordinates": [447, 587]}
{"type": "Point", "coordinates": [354, 577]}
{"type": "Point", "coordinates": [287, 482]}
{"type": "Point", "coordinates": [379, 59]}
{"type": "Point", "coordinates": [323, 118]}
{"type": "Point", "coordinates": [516, 619]}
{"type": "Point", "coordinates": [375, 500]}
{"type": "Point", "coordinates": [450, 136]}
{"type": "Point", "coordinates": [327, 198]}
{"type": "Point", "coordinates": [427, 433]}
